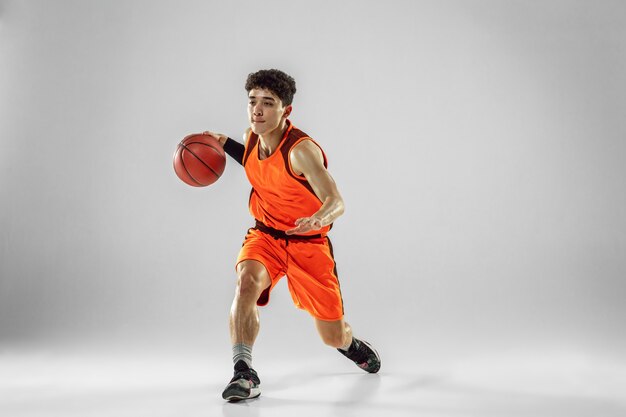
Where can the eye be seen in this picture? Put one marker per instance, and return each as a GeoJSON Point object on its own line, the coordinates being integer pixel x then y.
{"type": "Point", "coordinates": [269, 103]}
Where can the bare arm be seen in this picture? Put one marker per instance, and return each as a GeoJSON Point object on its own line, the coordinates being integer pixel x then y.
{"type": "Point", "coordinates": [306, 159]}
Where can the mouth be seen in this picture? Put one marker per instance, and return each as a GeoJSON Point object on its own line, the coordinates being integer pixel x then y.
{"type": "Point", "coordinates": [258, 121]}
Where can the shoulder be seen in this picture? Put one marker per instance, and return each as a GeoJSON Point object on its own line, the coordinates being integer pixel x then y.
{"type": "Point", "coordinates": [246, 135]}
{"type": "Point", "coordinates": [306, 144]}
{"type": "Point", "coordinates": [249, 139]}
{"type": "Point", "coordinates": [306, 154]}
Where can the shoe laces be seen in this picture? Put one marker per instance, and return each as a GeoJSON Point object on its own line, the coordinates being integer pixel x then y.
{"type": "Point", "coordinates": [246, 373]}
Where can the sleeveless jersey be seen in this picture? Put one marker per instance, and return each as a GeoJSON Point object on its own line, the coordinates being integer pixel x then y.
{"type": "Point", "coordinates": [279, 197]}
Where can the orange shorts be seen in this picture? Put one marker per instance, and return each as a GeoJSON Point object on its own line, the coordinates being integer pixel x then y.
{"type": "Point", "coordinates": [309, 266]}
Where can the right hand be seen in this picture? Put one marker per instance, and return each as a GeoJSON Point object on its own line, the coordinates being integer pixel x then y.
{"type": "Point", "coordinates": [217, 136]}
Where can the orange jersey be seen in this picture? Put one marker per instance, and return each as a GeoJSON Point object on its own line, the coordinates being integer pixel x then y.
{"type": "Point", "coordinates": [279, 197]}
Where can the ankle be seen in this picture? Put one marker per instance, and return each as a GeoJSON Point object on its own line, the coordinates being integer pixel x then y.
{"type": "Point", "coordinates": [348, 344]}
{"type": "Point", "coordinates": [242, 352]}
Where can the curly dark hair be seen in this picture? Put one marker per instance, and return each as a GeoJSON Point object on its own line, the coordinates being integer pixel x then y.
{"type": "Point", "coordinates": [279, 83]}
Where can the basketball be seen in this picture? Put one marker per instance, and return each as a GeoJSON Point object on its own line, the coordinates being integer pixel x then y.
{"type": "Point", "coordinates": [199, 160]}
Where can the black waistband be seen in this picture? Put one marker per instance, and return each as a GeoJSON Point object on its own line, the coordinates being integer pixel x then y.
{"type": "Point", "coordinates": [279, 234]}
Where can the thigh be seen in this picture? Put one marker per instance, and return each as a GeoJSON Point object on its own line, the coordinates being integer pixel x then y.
{"type": "Point", "coordinates": [264, 249]}
{"type": "Point", "coordinates": [261, 254]}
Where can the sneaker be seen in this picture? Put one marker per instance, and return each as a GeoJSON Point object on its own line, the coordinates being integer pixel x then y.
{"type": "Point", "coordinates": [244, 385]}
{"type": "Point", "coordinates": [364, 355]}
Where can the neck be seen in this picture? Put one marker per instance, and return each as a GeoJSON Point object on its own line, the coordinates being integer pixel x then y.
{"type": "Point", "coordinates": [271, 140]}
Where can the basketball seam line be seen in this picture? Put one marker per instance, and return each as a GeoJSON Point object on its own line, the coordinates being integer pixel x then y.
{"type": "Point", "coordinates": [182, 161]}
{"type": "Point", "coordinates": [205, 144]}
{"type": "Point", "coordinates": [198, 158]}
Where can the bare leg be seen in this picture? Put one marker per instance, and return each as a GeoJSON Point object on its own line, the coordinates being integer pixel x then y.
{"type": "Point", "coordinates": [244, 314]}
{"type": "Point", "coordinates": [244, 327]}
{"type": "Point", "coordinates": [338, 334]}
{"type": "Point", "coordinates": [334, 333]}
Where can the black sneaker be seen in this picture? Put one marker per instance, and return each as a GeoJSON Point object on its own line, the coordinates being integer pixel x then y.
{"type": "Point", "coordinates": [363, 354]}
{"type": "Point", "coordinates": [244, 385]}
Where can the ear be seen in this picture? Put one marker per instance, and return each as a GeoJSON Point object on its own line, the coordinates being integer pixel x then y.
{"type": "Point", "coordinates": [287, 111]}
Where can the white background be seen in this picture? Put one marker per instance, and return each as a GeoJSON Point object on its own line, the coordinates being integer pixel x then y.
{"type": "Point", "coordinates": [479, 146]}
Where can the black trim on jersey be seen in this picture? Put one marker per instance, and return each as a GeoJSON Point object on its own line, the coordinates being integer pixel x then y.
{"type": "Point", "coordinates": [332, 254]}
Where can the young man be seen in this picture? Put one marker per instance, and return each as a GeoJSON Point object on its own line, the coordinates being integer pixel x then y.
{"type": "Point", "coordinates": [294, 201]}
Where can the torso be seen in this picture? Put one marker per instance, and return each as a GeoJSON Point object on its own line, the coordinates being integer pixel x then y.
{"type": "Point", "coordinates": [279, 195]}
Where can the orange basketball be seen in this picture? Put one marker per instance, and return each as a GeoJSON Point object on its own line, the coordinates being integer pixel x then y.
{"type": "Point", "coordinates": [199, 160]}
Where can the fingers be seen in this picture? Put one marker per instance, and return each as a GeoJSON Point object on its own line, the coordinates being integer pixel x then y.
{"type": "Point", "coordinates": [305, 224]}
{"type": "Point", "coordinates": [217, 136]}
{"type": "Point", "coordinates": [315, 223]}
{"type": "Point", "coordinates": [300, 227]}
{"type": "Point", "coordinates": [298, 230]}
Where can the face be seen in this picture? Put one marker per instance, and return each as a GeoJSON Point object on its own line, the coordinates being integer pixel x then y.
{"type": "Point", "coordinates": [266, 111]}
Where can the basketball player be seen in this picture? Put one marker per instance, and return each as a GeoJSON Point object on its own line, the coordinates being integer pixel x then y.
{"type": "Point", "coordinates": [294, 201]}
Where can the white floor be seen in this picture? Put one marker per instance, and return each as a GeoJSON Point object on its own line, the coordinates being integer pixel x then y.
{"type": "Point", "coordinates": [52, 384]}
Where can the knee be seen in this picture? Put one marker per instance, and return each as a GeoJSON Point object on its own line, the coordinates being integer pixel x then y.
{"type": "Point", "coordinates": [249, 285]}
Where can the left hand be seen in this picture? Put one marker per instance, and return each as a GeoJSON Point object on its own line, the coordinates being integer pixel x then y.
{"type": "Point", "coordinates": [221, 138]}
{"type": "Point", "coordinates": [305, 224]}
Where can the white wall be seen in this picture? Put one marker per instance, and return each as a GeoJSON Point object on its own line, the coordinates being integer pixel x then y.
{"type": "Point", "coordinates": [479, 147]}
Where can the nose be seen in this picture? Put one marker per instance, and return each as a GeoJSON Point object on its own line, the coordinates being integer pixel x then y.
{"type": "Point", "coordinates": [257, 110]}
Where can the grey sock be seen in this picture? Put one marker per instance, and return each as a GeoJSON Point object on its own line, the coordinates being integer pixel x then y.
{"type": "Point", "coordinates": [242, 352]}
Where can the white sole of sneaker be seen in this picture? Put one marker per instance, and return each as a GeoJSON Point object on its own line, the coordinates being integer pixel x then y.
{"type": "Point", "coordinates": [240, 395]}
